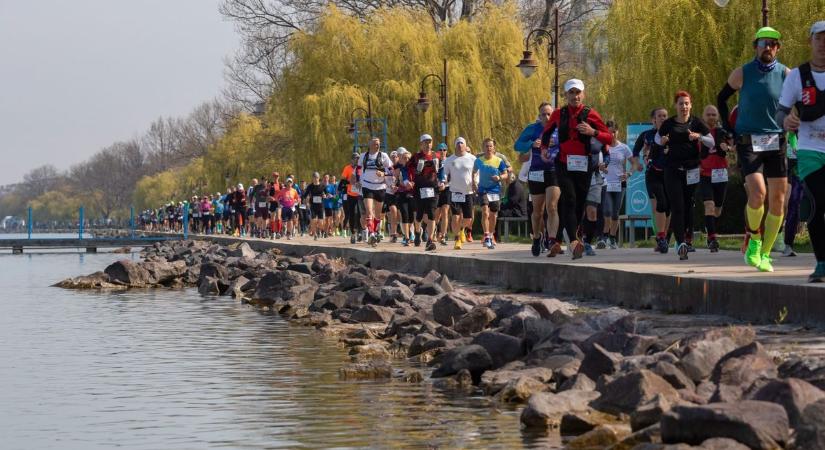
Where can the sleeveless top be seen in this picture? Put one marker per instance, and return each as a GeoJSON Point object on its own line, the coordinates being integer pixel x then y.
{"type": "Point", "coordinates": [759, 99]}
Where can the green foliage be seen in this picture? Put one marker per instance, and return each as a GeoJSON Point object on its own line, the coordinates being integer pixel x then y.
{"type": "Point", "coordinates": [343, 60]}
{"type": "Point", "coordinates": [656, 47]}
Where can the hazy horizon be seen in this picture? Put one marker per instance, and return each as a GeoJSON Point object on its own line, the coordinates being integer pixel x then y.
{"type": "Point", "coordinates": [81, 75]}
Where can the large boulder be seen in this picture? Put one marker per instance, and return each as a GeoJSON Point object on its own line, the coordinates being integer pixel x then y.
{"type": "Point", "coordinates": [673, 375]}
{"type": "Point", "coordinates": [743, 366]}
{"type": "Point", "coordinates": [214, 270]}
{"type": "Point", "coordinates": [759, 425]}
{"type": "Point", "coordinates": [395, 294]}
{"type": "Point", "coordinates": [475, 321]}
{"type": "Point", "coordinates": [546, 409]}
{"type": "Point", "coordinates": [629, 391]}
{"type": "Point", "coordinates": [598, 362]}
{"type": "Point", "coordinates": [285, 287]}
{"type": "Point", "coordinates": [502, 348]}
{"type": "Point", "coordinates": [532, 330]}
{"type": "Point", "coordinates": [240, 250]}
{"type": "Point", "coordinates": [699, 359]}
{"type": "Point", "coordinates": [547, 306]}
{"type": "Point", "coordinates": [808, 368]}
{"type": "Point", "coordinates": [372, 313]}
{"type": "Point", "coordinates": [448, 310]}
{"type": "Point", "coordinates": [472, 357]}
{"type": "Point", "coordinates": [163, 272]}
{"type": "Point", "coordinates": [810, 431]}
{"type": "Point", "coordinates": [793, 394]}
{"type": "Point", "coordinates": [424, 342]}
{"type": "Point", "coordinates": [520, 389]}
{"type": "Point", "coordinates": [128, 273]}
{"type": "Point", "coordinates": [505, 308]}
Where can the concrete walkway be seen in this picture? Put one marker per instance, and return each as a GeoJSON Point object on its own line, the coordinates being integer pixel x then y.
{"type": "Point", "coordinates": [707, 283]}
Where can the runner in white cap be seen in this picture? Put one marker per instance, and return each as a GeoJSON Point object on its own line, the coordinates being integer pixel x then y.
{"type": "Point", "coordinates": [423, 171]}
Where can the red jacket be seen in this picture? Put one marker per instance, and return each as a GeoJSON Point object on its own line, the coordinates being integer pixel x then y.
{"type": "Point", "coordinates": [573, 146]}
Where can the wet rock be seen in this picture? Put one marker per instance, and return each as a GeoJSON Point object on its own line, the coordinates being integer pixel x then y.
{"type": "Point", "coordinates": [475, 321]}
{"type": "Point", "coordinates": [743, 366]}
{"type": "Point", "coordinates": [239, 286]}
{"type": "Point", "coordinates": [447, 333]}
{"type": "Point", "coordinates": [472, 357]}
{"type": "Point", "coordinates": [546, 409]}
{"type": "Point", "coordinates": [701, 357]}
{"type": "Point", "coordinates": [493, 381]}
{"type": "Point", "coordinates": [462, 381]}
{"type": "Point", "coordinates": [213, 270]}
{"type": "Point", "coordinates": [162, 272]}
{"type": "Point", "coordinates": [97, 280]}
{"type": "Point", "coordinates": [759, 425]}
{"type": "Point", "coordinates": [277, 287]}
{"type": "Point", "coordinates": [629, 391]}
{"type": "Point", "coordinates": [600, 437]}
{"type": "Point", "coordinates": [793, 394]}
{"type": "Point", "coordinates": [598, 362]}
{"type": "Point", "coordinates": [240, 250]}
{"type": "Point", "coordinates": [209, 286]}
{"type": "Point", "coordinates": [448, 310]}
{"type": "Point", "coordinates": [501, 347]}
{"type": "Point", "coordinates": [128, 273]}
{"type": "Point", "coordinates": [520, 389]}
{"type": "Point", "coordinates": [810, 432]}
{"type": "Point", "coordinates": [375, 369]}
{"type": "Point", "coordinates": [579, 422]}
{"type": "Point", "coordinates": [650, 413]}
{"type": "Point", "coordinates": [639, 439]}
{"type": "Point", "coordinates": [372, 313]}
{"type": "Point", "coordinates": [413, 376]}
{"type": "Point", "coordinates": [424, 342]}
{"type": "Point", "coordinates": [532, 330]}
{"type": "Point", "coordinates": [810, 369]}
{"type": "Point", "coordinates": [374, 350]}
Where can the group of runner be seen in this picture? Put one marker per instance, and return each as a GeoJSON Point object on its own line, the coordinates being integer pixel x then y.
{"type": "Point", "coordinates": [577, 170]}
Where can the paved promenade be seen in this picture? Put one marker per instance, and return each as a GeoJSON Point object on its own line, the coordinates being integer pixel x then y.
{"type": "Point", "coordinates": [639, 278]}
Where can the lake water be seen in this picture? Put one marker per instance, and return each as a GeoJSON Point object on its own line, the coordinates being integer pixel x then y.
{"type": "Point", "coordinates": [164, 369]}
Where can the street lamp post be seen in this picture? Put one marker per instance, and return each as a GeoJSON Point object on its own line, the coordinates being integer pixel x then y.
{"type": "Point", "coordinates": [367, 114]}
{"type": "Point", "coordinates": [423, 103]}
{"type": "Point", "coordinates": [528, 65]}
{"type": "Point", "coordinates": [765, 9]}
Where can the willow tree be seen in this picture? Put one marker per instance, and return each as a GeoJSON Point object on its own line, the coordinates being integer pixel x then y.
{"type": "Point", "coordinates": [685, 44]}
{"type": "Point", "coordinates": [343, 60]}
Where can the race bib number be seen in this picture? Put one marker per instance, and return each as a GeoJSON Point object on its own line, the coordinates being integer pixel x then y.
{"type": "Point", "coordinates": [458, 197]}
{"type": "Point", "coordinates": [614, 186]}
{"type": "Point", "coordinates": [493, 197]}
{"type": "Point", "coordinates": [358, 190]}
{"type": "Point", "coordinates": [427, 192]}
{"type": "Point", "coordinates": [302, 207]}
{"type": "Point", "coordinates": [692, 176]}
{"type": "Point", "coordinates": [577, 163]}
{"type": "Point", "coordinates": [536, 175]}
{"type": "Point", "coordinates": [345, 197]}
{"type": "Point", "coordinates": [719, 176]}
{"type": "Point", "coordinates": [765, 142]}
{"type": "Point", "coordinates": [316, 199]}
{"type": "Point", "coordinates": [261, 204]}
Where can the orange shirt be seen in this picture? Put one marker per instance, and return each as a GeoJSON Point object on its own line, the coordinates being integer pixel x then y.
{"type": "Point", "coordinates": [348, 172]}
{"type": "Point", "coordinates": [288, 197]}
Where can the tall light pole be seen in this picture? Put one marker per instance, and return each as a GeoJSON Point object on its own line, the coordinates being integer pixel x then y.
{"type": "Point", "coordinates": [765, 10]}
{"type": "Point", "coordinates": [528, 65]}
{"type": "Point", "coordinates": [423, 103]}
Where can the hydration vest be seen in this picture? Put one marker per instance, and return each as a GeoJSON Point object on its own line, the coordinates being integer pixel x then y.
{"type": "Point", "coordinates": [812, 106]}
{"type": "Point", "coordinates": [564, 125]}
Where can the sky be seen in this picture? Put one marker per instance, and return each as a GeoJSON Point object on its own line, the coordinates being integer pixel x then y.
{"type": "Point", "coordinates": [78, 75]}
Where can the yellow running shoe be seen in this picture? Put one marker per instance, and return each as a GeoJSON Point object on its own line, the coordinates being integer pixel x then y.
{"type": "Point", "coordinates": [753, 254]}
{"type": "Point", "coordinates": [765, 264]}
{"type": "Point", "coordinates": [457, 245]}
{"type": "Point", "coordinates": [461, 237]}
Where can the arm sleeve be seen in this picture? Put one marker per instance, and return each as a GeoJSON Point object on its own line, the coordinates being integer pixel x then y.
{"type": "Point", "coordinates": [722, 103]}
{"type": "Point", "coordinates": [639, 145]}
{"type": "Point", "coordinates": [524, 143]}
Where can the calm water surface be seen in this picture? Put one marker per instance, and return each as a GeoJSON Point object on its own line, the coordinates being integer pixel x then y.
{"type": "Point", "coordinates": [162, 369]}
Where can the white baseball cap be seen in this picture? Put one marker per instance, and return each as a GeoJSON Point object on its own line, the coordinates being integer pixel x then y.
{"type": "Point", "coordinates": [425, 137]}
{"type": "Point", "coordinates": [818, 27]}
{"type": "Point", "coordinates": [402, 151]}
{"type": "Point", "coordinates": [460, 140]}
{"type": "Point", "coordinates": [574, 83]}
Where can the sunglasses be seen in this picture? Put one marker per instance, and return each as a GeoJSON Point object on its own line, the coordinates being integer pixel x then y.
{"type": "Point", "coordinates": [765, 43]}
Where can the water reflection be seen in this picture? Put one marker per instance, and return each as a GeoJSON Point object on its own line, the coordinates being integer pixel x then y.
{"type": "Point", "coordinates": [170, 369]}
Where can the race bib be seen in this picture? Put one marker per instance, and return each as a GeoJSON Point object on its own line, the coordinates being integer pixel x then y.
{"type": "Point", "coordinates": [719, 176]}
{"type": "Point", "coordinates": [345, 197]}
{"type": "Point", "coordinates": [358, 190]}
{"type": "Point", "coordinates": [302, 207]}
{"type": "Point", "coordinates": [427, 192]}
{"type": "Point", "coordinates": [316, 199]}
{"type": "Point", "coordinates": [765, 142]}
{"type": "Point", "coordinates": [577, 163]}
{"type": "Point", "coordinates": [614, 186]}
{"type": "Point", "coordinates": [493, 197]}
{"type": "Point", "coordinates": [536, 175]}
{"type": "Point", "coordinates": [458, 197]}
{"type": "Point", "coordinates": [692, 176]}
{"type": "Point", "coordinates": [261, 204]}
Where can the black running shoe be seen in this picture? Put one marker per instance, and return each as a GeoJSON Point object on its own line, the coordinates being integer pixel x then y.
{"type": "Point", "coordinates": [536, 248]}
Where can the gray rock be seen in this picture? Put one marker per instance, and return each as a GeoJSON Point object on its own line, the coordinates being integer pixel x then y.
{"type": "Point", "coordinates": [722, 444]}
{"type": "Point", "coordinates": [209, 286]}
{"type": "Point", "coordinates": [429, 289]}
{"type": "Point", "coordinates": [546, 409]}
{"type": "Point", "coordinates": [475, 321]}
{"type": "Point", "coordinates": [532, 330]}
{"type": "Point", "coordinates": [501, 347]}
{"type": "Point", "coordinates": [302, 267]}
{"type": "Point", "coordinates": [128, 273]}
{"type": "Point", "coordinates": [520, 389]}
{"type": "Point", "coordinates": [447, 333]}
{"type": "Point", "coordinates": [372, 313]}
{"type": "Point", "coordinates": [238, 286]}
{"type": "Point", "coordinates": [743, 366]}
{"type": "Point", "coordinates": [162, 272]}
{"type": "Point", "coordinates": [240, 250]}
{"type": "Point", "coordinates": [472, 357]}
{"type": "Point", "coordinates": [793, 394]}
{"type": "Point", "coordinates": [407, 280]}
{"type": "Point", "coordinates": [598, 362]}
{"type": "Point", "coordinates": [493, 381]}
{"type": "Point", "coordinates": [395, 294]}
{"type": "Point", "coordinates": [505, 307]}
{"type": "Point", "coordinates": [673, 375]}
{"type": "Point", "coordinates": [352, 280]}
{"type": "Point", "coordinates": [650, 412]}
{"type": "Point", "coordinates": [213, 270]}
{"type": "Point", "coordinates": [579, 422]}
{"type": "Point", "coordinates": [810, 433]}
{"type": "Point", "coordinates": [808, 368]}
{"type": "Point", "coordinates": [628, 392]}
{"type": "Point", "coordinates": [701, 357]}
{"type": "Point", "coordinates": [547, 306]}
{"type": "Point", "coordinates": [448, 310]}
{"type": "Point", "coordinates": [759, 425]}
{"type": "Point", "coordinates": [579, 382]}
{"type": "Point", "coordinates": [424, 342]}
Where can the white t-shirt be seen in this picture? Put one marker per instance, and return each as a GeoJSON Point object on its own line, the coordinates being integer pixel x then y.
{"type": "Point", "coordinates": [369, 177]}
{"type": "Point", "coordinates": [619, 154]}
{"type": "Point", "coordinates": [459, 170]}
{"type": "Point", "coordinates": [811, 134]}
